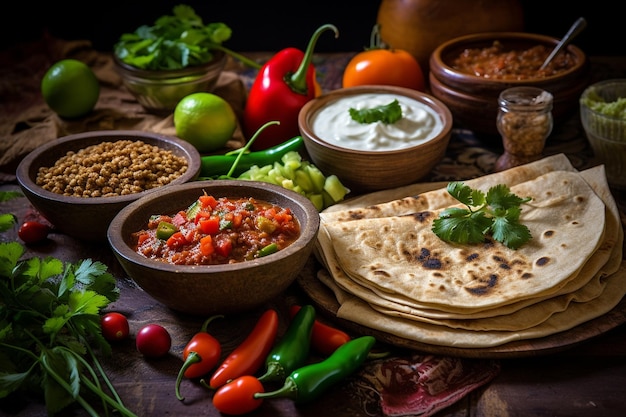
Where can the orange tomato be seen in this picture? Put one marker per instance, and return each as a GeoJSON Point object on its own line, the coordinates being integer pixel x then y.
{"type": "Point", "coordinates": [383, 66]}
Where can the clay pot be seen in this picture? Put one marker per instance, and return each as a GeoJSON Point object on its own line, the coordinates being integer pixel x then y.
{"type": "Point", "coordinates": [419, 26]}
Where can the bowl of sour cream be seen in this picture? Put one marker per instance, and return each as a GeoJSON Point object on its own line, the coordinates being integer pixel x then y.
{"type": "Point", "coordinates": [375, 137]}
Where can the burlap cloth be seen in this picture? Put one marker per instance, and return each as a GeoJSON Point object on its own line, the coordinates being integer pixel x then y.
{"type": "Point", "coordinates": [26, 121]}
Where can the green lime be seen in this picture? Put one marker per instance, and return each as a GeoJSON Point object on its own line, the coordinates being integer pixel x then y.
{"type": "Point", "coordinates": [70, 88]}
{"type": "Point", "coordinates": [205, 120]}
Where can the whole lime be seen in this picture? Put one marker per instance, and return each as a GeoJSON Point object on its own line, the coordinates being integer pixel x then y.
{"type": "Point", "coordinates": [205, 120]}
{"type": "Point", "coordinates": [70, 88]}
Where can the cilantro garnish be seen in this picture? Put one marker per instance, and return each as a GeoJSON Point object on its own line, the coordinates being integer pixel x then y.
{"type": "Point", "coordinates": [387, 113]}
{"type": "Point", "coordinates": [496, 214]}
{"type": "Point", "coordinates": [50, 325]}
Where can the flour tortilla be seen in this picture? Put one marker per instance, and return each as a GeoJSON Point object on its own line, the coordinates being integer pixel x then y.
{"type": "Point", "coordinates": [356, 310]}
{"type": "Point", "coordinates": [402, 254]}
{"type": "Point", "coordinates": [605, 261]}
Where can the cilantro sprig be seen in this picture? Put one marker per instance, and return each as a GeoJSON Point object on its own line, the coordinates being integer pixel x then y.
{"type": "Point", "coordinates": [386, 113]}
{"type": "Point", "coordinates": [50, 325]}
{"type": "Point", "coordinates": [495, 213]}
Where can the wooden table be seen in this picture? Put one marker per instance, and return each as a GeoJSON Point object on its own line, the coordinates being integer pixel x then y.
{"type": "Point", "coordinates": [587, 379]}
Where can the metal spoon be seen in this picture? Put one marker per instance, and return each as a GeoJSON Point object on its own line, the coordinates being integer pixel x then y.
{"type": "Point", "coordinates": [573, 31]}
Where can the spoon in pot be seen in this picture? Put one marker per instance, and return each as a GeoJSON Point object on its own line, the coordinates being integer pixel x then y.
{"type": "Point", "coordinates": [573, 31]}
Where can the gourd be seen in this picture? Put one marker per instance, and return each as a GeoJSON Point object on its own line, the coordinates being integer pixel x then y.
{"type": "Point", "coordinates": [420, 26]}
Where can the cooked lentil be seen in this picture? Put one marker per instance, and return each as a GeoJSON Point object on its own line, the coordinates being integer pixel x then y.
{"type": "Point", "coordinates": [112, 169]}
{"type": "Point", "coordinates": [498, 63]}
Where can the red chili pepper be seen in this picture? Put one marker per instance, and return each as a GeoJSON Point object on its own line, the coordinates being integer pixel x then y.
{"type": "Point", "coordinates": [283, 85]}
{"type": "Point", "coordinates": [325, 339]}
{"type": "Point", "coordinates": [200, 355]}
{"type": "Point", "coordinates": [250, 355]}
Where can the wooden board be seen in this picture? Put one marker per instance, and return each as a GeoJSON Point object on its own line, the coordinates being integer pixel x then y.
{"type": "Point", "coordinates": [327, 304]}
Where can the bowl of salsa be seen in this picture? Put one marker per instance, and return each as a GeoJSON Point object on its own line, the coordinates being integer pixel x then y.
{"type": "Point", "coordinates": [215, 247]}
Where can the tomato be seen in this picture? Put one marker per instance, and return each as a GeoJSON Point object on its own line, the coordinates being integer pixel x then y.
{"type": "Point", "coordinates": [153, 341]}
{"type": "Point", "coordinates": [237, 396]}
{"type": "Point", "coordinates": [114, 327]}
{"type": "Point", "coordinates": [33, 232]}
{"type": "Point", "coordinates": [381, 66]}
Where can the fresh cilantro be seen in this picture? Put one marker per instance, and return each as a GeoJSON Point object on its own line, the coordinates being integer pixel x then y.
{"type": "Point", "coordinates": [386, 113]}
{"type": "Point", "coordinates": [49, 324]}
{"type": "Point", "coordinates": [497, 214]}
{"type": "Point", "coordinates": [175, 41]}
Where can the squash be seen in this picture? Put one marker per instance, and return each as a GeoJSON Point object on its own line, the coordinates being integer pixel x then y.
{"type": "Point", "coordinates": [420, 26]}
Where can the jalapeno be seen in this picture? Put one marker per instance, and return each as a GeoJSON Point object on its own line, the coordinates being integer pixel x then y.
{"type": "Point", "coordinates": [293, 348]}
{"type": "Point", "coordinates": [216, 165]}
{"type": "Point", "coordinates": [310, 381]}
{"type": "Point", "coordinates": [165, 230]}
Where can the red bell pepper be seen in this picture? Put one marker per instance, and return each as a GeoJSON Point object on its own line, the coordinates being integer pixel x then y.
{"type": "Point", "coordinates": [283, 85]}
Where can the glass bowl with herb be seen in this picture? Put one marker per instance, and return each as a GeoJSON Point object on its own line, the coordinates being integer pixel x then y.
{"type": "Point", "coordinates": [175, 56]}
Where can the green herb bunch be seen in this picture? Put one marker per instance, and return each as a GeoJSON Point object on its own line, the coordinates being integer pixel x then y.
{"type": "Point", "coordinates": [175, 41]}
{"type": "Point", "coordinates": [49, 322]}
{"type": "Point", "coordinates": [495, 213]}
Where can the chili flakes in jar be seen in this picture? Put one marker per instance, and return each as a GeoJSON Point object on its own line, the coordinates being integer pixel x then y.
{"type": "Point", "coordinates": [498, 63]}
{"type": "Point", "coordinates": [214, 231]}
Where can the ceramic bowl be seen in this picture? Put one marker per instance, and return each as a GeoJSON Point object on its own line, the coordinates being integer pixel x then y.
{"type": "Point", "coordinates": [605, 127]}
{"type": "Point", "coordinates": [364, 170]}
{"type": "Point", "coordinates": [214, 289]}
{"type": "Point", "coordinates": [160, 91]}
{"type": "Point", "coordinates": [88, 218]}
{"type": "Point", "coordinates": [473, 99]}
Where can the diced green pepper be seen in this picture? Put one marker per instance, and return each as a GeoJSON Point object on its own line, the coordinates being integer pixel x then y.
{"type": "Point", "coordinates": [165, 230]}
{"type": "Point", "coordinates": [267, 250]}
{"type": "Point", "coordinates": [265, 225]}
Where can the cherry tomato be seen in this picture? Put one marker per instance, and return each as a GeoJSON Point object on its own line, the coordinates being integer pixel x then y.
{"type": "Point", "coordinates": [383, 66]}
{"type": "Point", "coordinates": [236, 397]}
{"type": "Point", "coordinates": [114, 327]}
{"type": "Point", "coordinates": [33, 232]}
{"type": "Point", "coordinates": [153, 341]}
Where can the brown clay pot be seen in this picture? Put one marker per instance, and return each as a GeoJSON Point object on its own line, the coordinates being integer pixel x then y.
{"type": "Point", "coordinates": [419, 26]}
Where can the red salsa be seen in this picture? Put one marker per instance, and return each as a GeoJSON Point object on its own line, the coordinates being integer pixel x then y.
{"type": "Point", "coordinates": [496, 62]}
{"type": "Point", "coordinates": [216, 231]}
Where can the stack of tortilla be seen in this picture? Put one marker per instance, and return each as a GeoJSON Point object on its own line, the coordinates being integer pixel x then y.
{"type": "Point", "coordinates": [390, 272]}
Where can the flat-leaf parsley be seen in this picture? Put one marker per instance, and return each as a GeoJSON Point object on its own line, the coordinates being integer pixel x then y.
{"type": "Point", "coordinates": [496, 213]}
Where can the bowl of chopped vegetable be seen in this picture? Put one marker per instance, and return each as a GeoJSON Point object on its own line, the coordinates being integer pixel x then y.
{"type": "Point", "coordinates": [603, 116]}
{"type": "Point", "coordinates": [469, 72]}
{"type": "Point", "coordinates": [375, 137]}
{"type": "Point", "coordinates": [215, 246]}
{"type": "Point", "coordinates": [79, 182]}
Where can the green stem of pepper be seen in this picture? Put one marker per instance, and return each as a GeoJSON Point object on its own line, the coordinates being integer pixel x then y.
{"type": "Point", "coordinates": [297, 81]}
{"type": "Point", "coordinates": [293, 348]}
{"type": "Point", "coordinates": [308, 382]}
{"type": "Point", "coordinates": [213, 166]}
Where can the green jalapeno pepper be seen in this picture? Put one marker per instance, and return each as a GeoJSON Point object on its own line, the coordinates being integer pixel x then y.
{"type": "Point", "coordinates": [216, 165]}
{"type": "Point", "coordinates": [310, 381]}
{"type": "Point", "coordinates": [293, 348]}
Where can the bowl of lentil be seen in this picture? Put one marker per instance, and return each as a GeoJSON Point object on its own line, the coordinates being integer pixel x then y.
{"type": "Point", "coordinates": [469, 72]}
{"type": "Point", "coordinates": [81, 181]}
{"type": "Point", "coordinates": [216, 246]}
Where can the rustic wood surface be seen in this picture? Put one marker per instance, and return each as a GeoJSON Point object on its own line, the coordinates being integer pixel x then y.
{"type": "Point", "coordinates": [585, 379]}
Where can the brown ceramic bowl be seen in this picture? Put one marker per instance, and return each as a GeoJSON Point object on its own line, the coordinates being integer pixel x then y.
{"type": "Point", "coordinates": [214, 289]}
{"type": "Point", "coordinates": [88, 218]}
{"type": "Point", "coordinates": [363, 170]}
{"type": "Point", "coordinates": [473, 99]}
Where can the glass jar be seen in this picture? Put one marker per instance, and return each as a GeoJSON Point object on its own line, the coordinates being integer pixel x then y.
{"type": "Point", "coordinates": [524, 122]}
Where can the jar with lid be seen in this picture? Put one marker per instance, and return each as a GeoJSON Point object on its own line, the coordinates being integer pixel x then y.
{"type": "Point", "coordinates": [524, 121]}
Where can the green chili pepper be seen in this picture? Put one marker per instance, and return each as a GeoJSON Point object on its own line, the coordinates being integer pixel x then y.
{"type": "Point", "coordinates": [310, 381]}
{"type": "Point", "coordinates": [216, 165]}
{"type": "Point", "coordinates": [293, 348]}
{"type": "Point", "coordinates": [165, 230]}
{"type": "Point", "coordinates": [267, 250]}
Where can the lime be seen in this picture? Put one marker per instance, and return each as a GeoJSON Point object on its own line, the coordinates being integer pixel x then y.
{"type": "Point", "coordinates": [70, 88]}
{"type": "Point", "coordinates": [205, 120]}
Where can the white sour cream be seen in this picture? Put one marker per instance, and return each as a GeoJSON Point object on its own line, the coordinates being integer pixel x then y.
{"type": "Point", "coordinates": [333, 123]}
